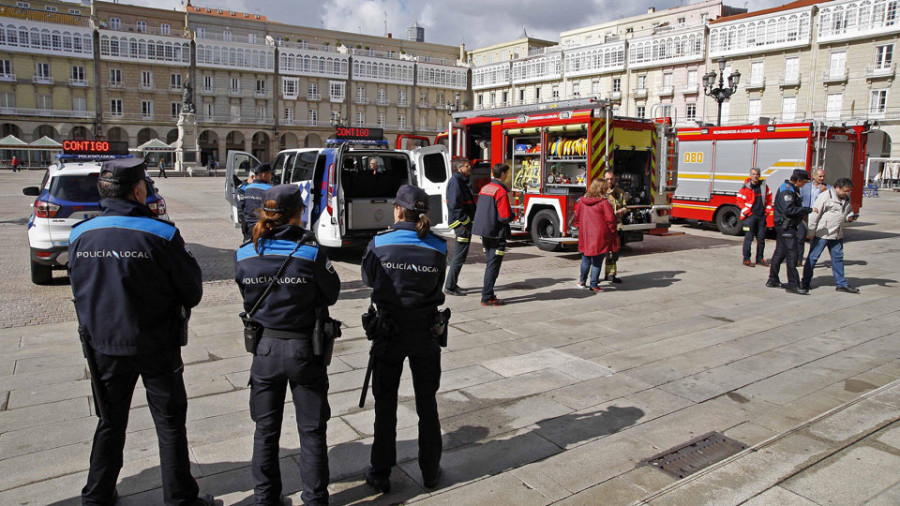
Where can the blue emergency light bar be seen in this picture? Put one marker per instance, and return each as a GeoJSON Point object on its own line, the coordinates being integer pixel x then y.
{"type": "Point", "coordinates": [360, 142]}
{"type": "Point", "coordinates": [89, 157]}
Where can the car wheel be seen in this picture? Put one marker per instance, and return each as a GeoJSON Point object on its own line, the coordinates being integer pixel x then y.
{"type": "Point", "coordinates": [41, 274]}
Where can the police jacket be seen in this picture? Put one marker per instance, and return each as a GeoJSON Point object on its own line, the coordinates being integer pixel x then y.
{"type": "Point", "coordinates": [789, 210]}
{"type": "Point", "coordinates": [253, 200]}
{"type": "Point", "coordinates": [493, 214]}
{"type": "Point", "coordinates": [404, 271]}
{"type": "Point", "coordinates": [308, 282]}
{"type": "Point", "coordinates": [460, 201]}
{"type": "Point", "coordinates": [131, 274]}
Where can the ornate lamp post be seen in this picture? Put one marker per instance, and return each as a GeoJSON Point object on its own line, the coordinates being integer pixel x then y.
{"type": "Point", "coordinates": [337, 120]}
{"type": "Point", "coordinates": [720, 93]}
{"type": "Point", "coordinates": [454, 106]}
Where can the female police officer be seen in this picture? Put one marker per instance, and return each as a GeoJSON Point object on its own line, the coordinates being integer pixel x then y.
{"type": "Point", "coordinates": [284, 353]}
{"type": "Point", "coordinates": [405, 266]}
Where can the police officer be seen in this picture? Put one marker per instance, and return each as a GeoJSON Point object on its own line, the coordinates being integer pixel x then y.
{"type": "Point", "coordinates": [789, 213]}
{"type": "Point", "coordinates": [131, 276]}
{"type": "Point", "coordinates": [284, 355]}
{"type": "Point", "coordinates": [492, 217]}
{"type": "Point", "coordinates": [405, 267]}
{"type": "Point", "coordinates": [461, 207]}
{"type": "Point", "coordinates": [253, 196]}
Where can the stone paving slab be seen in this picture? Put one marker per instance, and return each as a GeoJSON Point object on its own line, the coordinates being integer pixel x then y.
{"type": "Point", "coordinates": [851, 478]}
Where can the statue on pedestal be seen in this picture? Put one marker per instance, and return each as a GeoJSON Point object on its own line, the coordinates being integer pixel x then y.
{"type": "Point", "coordinates": [187, 98]}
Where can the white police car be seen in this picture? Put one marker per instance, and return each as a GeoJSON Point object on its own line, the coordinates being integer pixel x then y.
{"type": "Point", "coordinates": [68, 194]}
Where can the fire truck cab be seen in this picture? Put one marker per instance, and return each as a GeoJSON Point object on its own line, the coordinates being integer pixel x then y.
{"type": "Point", "coordinates": [714, 162]}
{"type": "Point", "coordinates": [554, 153]}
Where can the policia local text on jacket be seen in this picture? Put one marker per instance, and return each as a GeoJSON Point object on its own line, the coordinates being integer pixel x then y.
{"type": "Point", "coordinates": [131, 275]}
{"type": "Point", "coordinates": [789, 213]}
{"type": "Point", "coordinates": [492, 217]}
{"type": "Point", "coordinates": [284, 356]}
{"type": "Point", "coordinates": [406, 272]}
{"type": "Point", "coordinates": [461, 208]}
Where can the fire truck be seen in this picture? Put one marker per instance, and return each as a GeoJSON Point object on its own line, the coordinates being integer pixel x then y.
{"type": "Point", "coordinates": [555, 151]}
{"type": "Point", "coordinates": [714, 162]}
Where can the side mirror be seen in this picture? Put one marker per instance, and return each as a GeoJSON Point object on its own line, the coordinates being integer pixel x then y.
{"type": "Point", "coordinates": [31, 191]}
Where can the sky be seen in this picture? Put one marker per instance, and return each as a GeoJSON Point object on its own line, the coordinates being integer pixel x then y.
{"type": "Point", "coordinates": [477, 23]}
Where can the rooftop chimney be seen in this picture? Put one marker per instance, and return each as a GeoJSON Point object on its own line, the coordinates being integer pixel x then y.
{"type": "Point", "coordinates": [651, 10]}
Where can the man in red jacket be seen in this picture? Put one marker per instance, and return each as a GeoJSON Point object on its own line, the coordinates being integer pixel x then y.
{"type": "Point", "coordinates": [492, 217]}
{"type": "Point", "coordinates": [755, 200]}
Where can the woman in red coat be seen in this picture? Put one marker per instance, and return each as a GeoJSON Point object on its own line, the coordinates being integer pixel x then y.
{"type": "Point", "coordinates": [596, 224]}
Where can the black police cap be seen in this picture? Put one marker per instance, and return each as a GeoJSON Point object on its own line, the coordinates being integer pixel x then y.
{"type": "Point", "coordinates": [412, 198]}
{"type": "Point", "coordinates": [263, 167]}
{"type": "Point", "coordinates": [123, 170]}
{"type": "Point", "coordinates": [800, 175]}
{"type": "Point", "coordinates": [286, 196]}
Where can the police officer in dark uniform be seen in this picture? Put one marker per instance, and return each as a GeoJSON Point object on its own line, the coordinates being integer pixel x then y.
{"type": "Point", "coordinates": [405, 267]}
{"type": "Point", "coordinates": [284, 355]}
{"type": "Point", "coordinates": [789, 214]}
{"type": "Point", "coordinates": [133, 278]}
{"type": "Point", "coordinates": [461, 207]}
{"type": "Point", "coordinates": [253, 196]}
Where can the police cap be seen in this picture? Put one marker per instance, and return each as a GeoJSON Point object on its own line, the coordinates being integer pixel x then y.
{"type": "Point", "coordinates": [412, 198]}
{"type": "Point", "coordinates": [286, 196]}
{"type": "Point", "coordinates": [263, 167]}
{"type": "Point", "coordinates": [123, 170]}
{"type": "Point", "coordinates": [800, 175]}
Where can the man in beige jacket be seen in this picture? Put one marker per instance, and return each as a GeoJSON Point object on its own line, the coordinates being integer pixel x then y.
{"type": "Point", "coordinates": [826, 229]}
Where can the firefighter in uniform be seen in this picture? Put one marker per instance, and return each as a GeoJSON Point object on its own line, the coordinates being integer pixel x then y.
{"type": "Point", "coordinates": [461, 208]}
{"type": "Point", "coordinates": [492, 217]}
{"type": "Point", "coordinates": [619, 200]}
{"type": "Point", "coordinates": [789, 213]}
{"type": "Point", "coordinates": [405, 267]}
{"type": "Point", "coordinates": [252, 197]}
{"type": "Point", "coordinates": [284, 355]}
{"type": "Point", "coordinates": [133, 280]}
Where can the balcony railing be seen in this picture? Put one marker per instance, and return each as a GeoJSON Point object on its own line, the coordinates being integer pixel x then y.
{"type": "Point", "coordinates": [756, 85]}
{"type": "Point", "coordinates": [235, 92]}
{"type": "Point", "coordinates": [59, 18]}
{"type": "Point", "coordinates": [423, 105]}
{"type": "Point", "coordinates": [207, 91]}
{"type": "Point", "coordinates": [880, 71]}
{"type": "Point", "coordinates": [54, 113]}
{"type": "Point", "coordinates": [787, 82]}
{"type": "Point", "coordinates": [617, 95]}
{"type": "Point", "coordinates": [690, 89]}
{"type": "Point", "coordinates": [835, 77]}
{"type": "Point", "coordinates": [289, 96]}
{"type": "Point", "coordinates": [263, 93]}
{"type": "Point", "coordinates": [77, 82]}
{"type": "Point", "coordinates": [176, 88]}
{"type": "Point", "coordinates": [361, 101]}
{"type": "Point", "coordinates": [235, 119]}
{"type": "Point", "coordinates": [115, 84]}
{"type": "Point", "coordinates": [313, 97]}
{"type": "Point", "coordinates": [336, 99]}
{"type": "Point", "coordinates": [150, 30]}
{"type": "Point", "coordinates": [42, 80]}
{"type": "Point", "coordinates": [402, 103]}
{"type": "Point", "coordinates": [382, 101]}
{"type": "Point", "coordinates": [8, 77]}
{"type": "Point", "coordinates": [638, 93]}
{"type": "Point", "coordinates": [145, 86]}
{"type": "Point", "coordinates": [667, 91]}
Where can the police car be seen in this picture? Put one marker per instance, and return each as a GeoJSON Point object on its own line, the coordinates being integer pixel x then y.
{"type": "Point", "coordinates": [349, 185]}
{"type": "Point", "coordinates": [67, 195]}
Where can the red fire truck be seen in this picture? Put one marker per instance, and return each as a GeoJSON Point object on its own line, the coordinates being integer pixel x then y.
{"type": "Point", "coordinates": [714, 162]}
{"type": "Point", "coordinates": [556, 151]}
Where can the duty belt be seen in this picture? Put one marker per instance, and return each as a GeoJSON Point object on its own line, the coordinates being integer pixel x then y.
{"type": "Point", "coordinates": [286, 335]}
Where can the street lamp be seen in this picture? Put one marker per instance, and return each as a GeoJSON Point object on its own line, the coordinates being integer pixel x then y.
{"type": "Point", "coordinates": [721, 93]}
{"type": "Point", "coordinates": [337, 120]}
{"type": "Point", "coordinates": [455, 106]}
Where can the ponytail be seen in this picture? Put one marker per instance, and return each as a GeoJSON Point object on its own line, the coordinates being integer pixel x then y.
{"type": "Point", "coordinates": [423, 224]}
{"type": "Point", "coordinates": [269, 221]}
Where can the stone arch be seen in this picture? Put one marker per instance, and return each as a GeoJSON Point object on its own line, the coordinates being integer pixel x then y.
{"type": "Point", "coordinates": [81, 133]}
{"type": "Point", "coordinates": [208, 142]}
{"type": "Point", "coordinates": [10, 129]}
{"type": "Point", "coordinates": [312, 141]}
{"type": "Point", "coordinates": [171, 136]}
{"type": "Point", "coordinates": [289, 141]}
{"type": "Point", "coordinates": [146, 134]}
{"type": "Point", "coordinates": [234, 141]}
{"type": "Point", "coordinates": [259, 146]}
{"type": "Point", "coordinates": [47, 130]}
{"type": "Point", "coordinates": [117, 134]}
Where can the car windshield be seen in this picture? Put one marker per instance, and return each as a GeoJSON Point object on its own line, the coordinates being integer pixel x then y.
{"type": "Point", "coordinates": [82, 188]}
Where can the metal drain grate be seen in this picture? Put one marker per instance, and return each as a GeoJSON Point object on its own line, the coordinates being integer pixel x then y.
{"type": "Point", "coordinates": [696, 454]}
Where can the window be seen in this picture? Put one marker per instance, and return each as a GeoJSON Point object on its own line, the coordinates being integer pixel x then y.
{"type": "Point", "coordinates": [290, 87]}
{"type": "Point", "coordinates": [791, 70]}
{"type": "Point", "coordinates": [146, 79]}
{"type": "Point", "coordinates": [493, 98]}
{"type": "Point", "coordinates": [115, 23]}
{"type": "Point", "coordinates": [833, 104]}
{"type": "Point", "coordinates": [235, 84]}
{"type": "Point", "coordinates": [165, 29]}
{"type": "Point", "coordinates": [640, 111]}
{"type": "Point", "coordinates": [313, 117]}
{"type": "Point", "coordinates": [45, 102]}
{"type": "Point", "coordinates": [756, 73]}
{"type": "Point", "coordinates": [838, 63]}
{"type": "Point", "coordinates": [360, 94]}
{"type": "Point", "coordinates": [50, 8]}
{"type": "Point", "coordinates": [788, 108]}
{"type": "Point", "coordinates": [381, 118]}
{"type": "Point", "coordinates": [576, 89]}
{"type": "Point", "coordinates": [754, 108]}
{"type": "Point", "coordinates": [115, 77]}
{"type": "Point", "coordinates": [5, 68]}
{"type": "Point", "coordinates": [312, 91]}
{"type": "Point", "coordinates": [251, 38]}
{"type": "Point", "coordinates": [261, 86]}
{"type": "Point", "coordinates": [208, 83]}
{"type": "Point", "coordinates": [521, 96]}
{"type": "Point", "coordinates": [208, 109]}
{"type": "Point", "coordinates": [360, 119]}
{"type": "Point", "coordinates": [23, 5]}
{"type": "Point", "coordinates": [226, 35]}
{"type": "Point", "coordinates": [235, 112]}
{"type": "Point", "coordinates": [691, 112]}
{"type": "Point", "coordinates": [79, 104]}
{"type": "Point", "coordinates": [174, 109]}
{"type": "Point", "coordinates": [554, 92]}
{"type": "Point", "coordinates": [201, 32]}
{"type": "Point", "coordinates": [42, 71]}
{"type": "Point", "coordinates": [288, 115]}
{"type": "Point", "coordinates": [382, 96]}
{"type": "Point", "coordinates": [641, 83]}
{"type": "Point", "coordinates": [692, 78]}
{"type": "Point", "coordinates": [175, 81]}
{"type": "Point", "coordinates": [336, 90]}
{"type": "Point", "coordinates": [115, 107]}
{"type": "Point", "coordinates": [667, 80]}
{"type": "Point", "coordinates": [78, 75]}
{"type": "Point", "coordinates": [75, 12]}
{"type": "Point", "coordinates": [537, 94]}
{"type": "Point", "coordinates": [480, 100]}
{"type": "Point", "coordinates": [617, 84]}
{"type": "Point", "coordinates": [878, 102]}
{"type": "Point", "coordinates": [504, 98]}
{"type": "Point", "coordinates": [8, 100]}
{"type": "Point", "coordinates": [884, 56]}
{"type": "Point", "coordinates": [141, 26]}
{"type": "Point", "coordinates": [401, 98]}
{"type": "Point", "coordinates": [147, 108]}
{"type": "Point", "coordinates": [401, 122]}
{"type": "Point", "coordinates": [262, 112]}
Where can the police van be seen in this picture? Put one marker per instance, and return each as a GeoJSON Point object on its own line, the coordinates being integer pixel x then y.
{"type": "Point", "coordinates": [349, 185]}
{"type": "Point", "coordinates": [68, 195]}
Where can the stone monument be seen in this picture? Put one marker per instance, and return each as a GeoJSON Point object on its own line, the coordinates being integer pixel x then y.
{"type": "Point", "coordinates": [187, 151]}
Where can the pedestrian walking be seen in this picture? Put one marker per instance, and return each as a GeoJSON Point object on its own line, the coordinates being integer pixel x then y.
{"type": "Point", "coordinates": [461, 210]}
{"type": "Point", "coordinates": [596, 223]}
{"type": "Point", "coordinates": [15, 163]}
{"type": "Point", "coordinates": [809, 193]}
{"type": "Point", "coordinates": [134, 282]}
{"type": "Point", "coordinates": [162, 169]}
{"type": "Point", "coordinates": [755, 200]}
{"type": "Point", "coordinates": [619, 200]}
{"type": "Point", "coordinates": [405, 267]}
{"type": "Point", "coordinates": [492, 217]}
{"type": "Point", "coordinates": [286, 276]}
{"type": "Point", "coordinates": [826, 229]}
{"type": "Point", "coordinates": [253, 198]}
{"type": "Point", "coordinates": [789, 212]}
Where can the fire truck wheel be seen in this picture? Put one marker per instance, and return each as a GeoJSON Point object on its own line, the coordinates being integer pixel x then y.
{"type": "Point", "coordinates": [728, 220]}
{"type": "Point", "coordinates": [545, 225]}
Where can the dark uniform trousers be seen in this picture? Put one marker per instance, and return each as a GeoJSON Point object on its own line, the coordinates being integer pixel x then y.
{"type": "Point", "coordinates": [412, 340]}
{"type": "Point", "coordinates": [277, 364]}
{"type": "Point", "coordinates": [494, 249]}
{"type": "Point", "coordinates": [786, 250]}
{"type": "Point", "coordinates": [755, 227]}
{"type": "Point", "coordinates": [460, 253]}
{"type": "Point", "coordinates": [161, 373]}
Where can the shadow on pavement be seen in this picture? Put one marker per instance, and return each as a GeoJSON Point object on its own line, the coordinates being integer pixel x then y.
{"type": "Point", "coordinates": [856, 235]}
{"type": "Point", "coordinates": [658, 279]}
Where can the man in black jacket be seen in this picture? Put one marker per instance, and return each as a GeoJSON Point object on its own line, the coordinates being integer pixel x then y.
{"type": "Point", "coordinates": [789, 213]}
{"type": "Point", "coordinates": [492, 216]}
{"type": "Point", "coordinates": [133, 279]}
{"type": "Point", "coordinates": [461, 208]}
